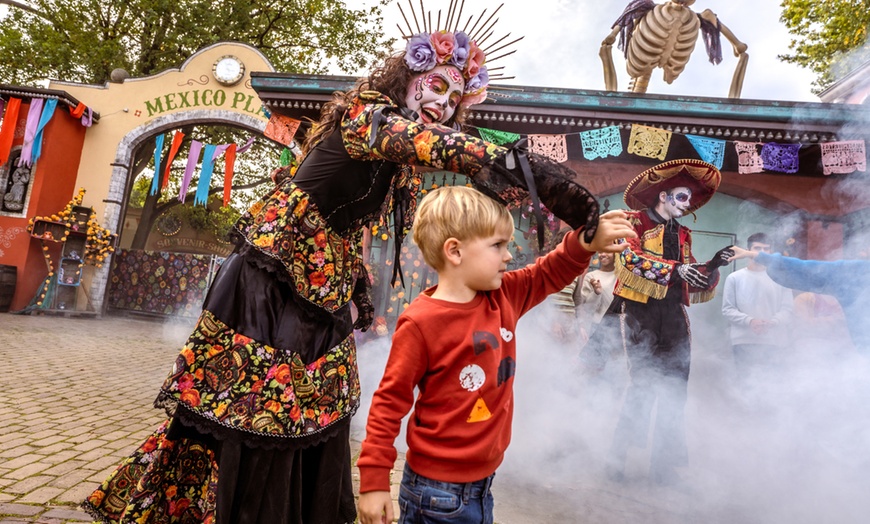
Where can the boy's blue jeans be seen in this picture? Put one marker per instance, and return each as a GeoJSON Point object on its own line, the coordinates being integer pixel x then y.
{"type": "Point", "coordinates": [426, 501]}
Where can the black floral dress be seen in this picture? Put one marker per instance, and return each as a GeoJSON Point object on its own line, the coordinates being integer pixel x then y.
{"type": "Point", "coordinates": [261, 395]}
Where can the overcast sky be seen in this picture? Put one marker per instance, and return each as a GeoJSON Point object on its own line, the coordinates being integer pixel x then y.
{"type": "Point", "coordinates": [562, 38]}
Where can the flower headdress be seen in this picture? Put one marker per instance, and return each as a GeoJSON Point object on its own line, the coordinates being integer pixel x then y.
{"type": "Point", "coordinates": [431, 46]}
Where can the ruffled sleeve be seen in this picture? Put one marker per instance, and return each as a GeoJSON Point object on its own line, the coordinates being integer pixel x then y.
{"type": "Point", "coordinates": [374, 129]}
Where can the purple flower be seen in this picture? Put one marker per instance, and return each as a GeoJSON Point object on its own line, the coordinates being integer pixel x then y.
{"type": "Point", "coordinates": [479, 81]}
{"type": "Point", "coordinates": [460, 52]}
{"type": "Point", "coordinates": [419, 53]}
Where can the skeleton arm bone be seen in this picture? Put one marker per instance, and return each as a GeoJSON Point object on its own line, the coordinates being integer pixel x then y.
{"type": "Point", "coordinates": [739, 51]}
{"type": "Point", "coordinates": [739, 47]}
{"type": "Point", "coordinates": [606, 54]}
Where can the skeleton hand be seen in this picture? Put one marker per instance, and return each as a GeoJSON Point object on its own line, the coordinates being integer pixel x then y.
{"type": "Point", "coordinates": [690, 275]}
{"type": "Point", "coordinates": [721, 258]}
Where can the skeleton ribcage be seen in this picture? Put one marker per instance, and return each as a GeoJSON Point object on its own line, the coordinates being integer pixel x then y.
{"type": "Point", "coordinates": [664, 38]}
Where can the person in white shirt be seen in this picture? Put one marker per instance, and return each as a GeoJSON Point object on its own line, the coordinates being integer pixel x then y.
{"type": "Point", "coordinates": [758, 310]}
{"type": "Point", "coordinates": [596, 295]}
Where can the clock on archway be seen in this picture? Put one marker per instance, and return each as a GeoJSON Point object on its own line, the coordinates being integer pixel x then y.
{"type": "Point", "coordinates": [228, 70]}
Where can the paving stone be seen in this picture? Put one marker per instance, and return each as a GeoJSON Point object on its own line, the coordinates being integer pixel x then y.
{"type": "Point", "coordinates": [89, 445]}
{"type": "Point", "coordinates": [64, 467]}
{"type": "Point", "coordinates": [76, 494]}
{"type": "Point", "coordinates": [70, 479]}
{"type": "Point", "coordinates": [93, 454]}
{"type": "Point", "coordinates": [27, 471]}
{"type": "Point", "coordinates": [10, 432]}
{"type": "Point", "coordinates": [75, 431]}
{"type": "Point", "coordinates": [60, 456]}
{"type": "Point", "coordinates": [16, 448]}
{"type": "Point", "coordinates": [101, 464]}
{"type": "Point", "coordinates": [41, 495]}
{"type": "Point", "coordinates": [44, 434]}
{"type": "Point", "coordinates": [47, 441]}
{"type": "Point", "coordinates": [28, 484]}
{"type": "Point", "coordinates": [19, 510]}
{"type": "Point", "coordinates": [70, 513]}
{"type": "Point", "coordinates": [21, 460]}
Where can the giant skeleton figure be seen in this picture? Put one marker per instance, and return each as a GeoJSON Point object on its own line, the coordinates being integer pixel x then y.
{"type": "Point", "coordinates": [664, 35]}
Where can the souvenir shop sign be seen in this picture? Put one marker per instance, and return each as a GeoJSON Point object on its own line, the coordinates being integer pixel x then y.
{"type": "Point", "coordinates": [202, 99]}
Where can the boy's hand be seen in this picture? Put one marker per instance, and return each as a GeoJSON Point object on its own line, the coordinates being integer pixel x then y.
{"type": "Point", "coordinates": [739, 253]}
{"type": "Point", "coordinates": [613, 229]}
{"type": "Point", "coordinates": [375, 507]}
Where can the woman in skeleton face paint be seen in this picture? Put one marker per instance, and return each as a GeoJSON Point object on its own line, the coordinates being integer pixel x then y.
{"type": "Point", "coordinates": [435, 96]}
{"type": "Point", "coordinates": [267, 382]}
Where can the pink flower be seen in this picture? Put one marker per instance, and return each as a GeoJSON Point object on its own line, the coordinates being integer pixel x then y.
{"type": "Point", "coordinates": [476, 58]}
{"type": "Point", "coordinates": [443, 43]}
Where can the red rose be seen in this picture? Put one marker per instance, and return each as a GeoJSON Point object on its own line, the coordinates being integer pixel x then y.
{"type": "Point", "coordinates": [317, 279]}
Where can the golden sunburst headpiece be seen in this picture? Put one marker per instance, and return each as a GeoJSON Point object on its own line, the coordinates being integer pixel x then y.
{"type": "Point", "coordinates": [429, 45]}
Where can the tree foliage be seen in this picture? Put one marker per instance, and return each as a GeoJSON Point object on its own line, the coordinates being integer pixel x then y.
{"type": "Point", "coordinates": [825, 32]}
{"type": "Point", "coordinates": [84, 40]}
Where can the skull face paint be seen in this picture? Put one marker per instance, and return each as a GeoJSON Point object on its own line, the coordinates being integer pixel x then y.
{"type": "Point", "coordinates": [435, 95]}
{"type": "Point", "coordinates": [676, 202]}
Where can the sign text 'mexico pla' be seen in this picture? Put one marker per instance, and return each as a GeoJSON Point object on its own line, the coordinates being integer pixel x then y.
{"type": "Point", "coordinates": [204, 98]}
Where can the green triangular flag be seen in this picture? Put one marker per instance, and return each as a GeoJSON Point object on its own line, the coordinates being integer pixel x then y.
{"type": "Point", "coordinates": [498, 137]}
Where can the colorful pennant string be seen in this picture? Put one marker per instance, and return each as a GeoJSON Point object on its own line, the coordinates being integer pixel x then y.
{"type": "Point", "coordinates": [7, 130]}
{"type": "Point", "coordinates": [649, 142]}
{"type": "Point", "coordinates": [192, 160]}
{"type": "Point", "coordinates": [158, 150]}
{"type": "Point", "coordinates": [177, 138]}
{"type": "Point", "coordinates": [552, 146]}
{"type": "Point", "coordinates": [44, 119]}
{"type": "Point", "coordinates": [601, 143]}
{"type": "Point", "coordinates": [844, 157]}
{"type": "Point", "coordinates": [711, 150]}
{"type": "Point", "coordinates": [281, 129]}
{"type": "Point", "coordinates": [33, 115]}
{"type": "Point", "coordinates": [780, 157]}
{"type": "Point", "coordinates": [497, 137]}
{"type": "Point", "coordinates": [208, 155]}
{"type": "Point", "coordinates": [749, 157]}
{"type": "Point", "coordinates": [286, 157]}
{"type": "Point", "coordinates": [229, 164]}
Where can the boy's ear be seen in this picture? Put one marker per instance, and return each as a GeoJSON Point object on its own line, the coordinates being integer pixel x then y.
{"type": "Point", "coordinates": [452, 251]}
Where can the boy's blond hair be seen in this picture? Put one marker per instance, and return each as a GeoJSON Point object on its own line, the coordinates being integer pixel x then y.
{"type": "Point", "coordinates": [456, 212]}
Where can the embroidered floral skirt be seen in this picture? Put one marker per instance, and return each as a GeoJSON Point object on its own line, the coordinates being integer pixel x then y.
{"type": "Point", "coordinates": [260, 399]}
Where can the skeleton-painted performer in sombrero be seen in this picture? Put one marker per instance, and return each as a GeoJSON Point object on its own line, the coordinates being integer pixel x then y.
{"type": "Point", "coordinates": [260, 397]}
{"type": "Point", "coordinates": [658, 278]}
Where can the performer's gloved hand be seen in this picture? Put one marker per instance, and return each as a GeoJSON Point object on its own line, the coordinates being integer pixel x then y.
{"type": "Point", "coordinates": [556, 186]}
{"type": "Point", "coordinates": [720, 258]}
{"type": "Point", "coordinates": [361, 298]}
{"type": "Point", "coordinates": [691, 274]}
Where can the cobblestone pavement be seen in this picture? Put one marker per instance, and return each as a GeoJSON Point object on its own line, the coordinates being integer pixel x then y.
{"type": "Point", "coordinates": [76, 398]}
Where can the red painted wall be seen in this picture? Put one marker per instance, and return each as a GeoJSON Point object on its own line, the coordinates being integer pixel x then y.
{"type": "Point", "coordinates": [54, 177]}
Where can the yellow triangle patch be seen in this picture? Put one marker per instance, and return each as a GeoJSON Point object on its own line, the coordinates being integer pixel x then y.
{"type": "Point", "coordinates": [479, 412]}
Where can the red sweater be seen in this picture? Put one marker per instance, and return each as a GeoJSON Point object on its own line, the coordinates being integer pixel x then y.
{"type": "Point", "coordinates": [462, 358]}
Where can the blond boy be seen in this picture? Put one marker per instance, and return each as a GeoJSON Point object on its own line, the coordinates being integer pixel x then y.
{"type": "Point", "coordinates": [456, 343]}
